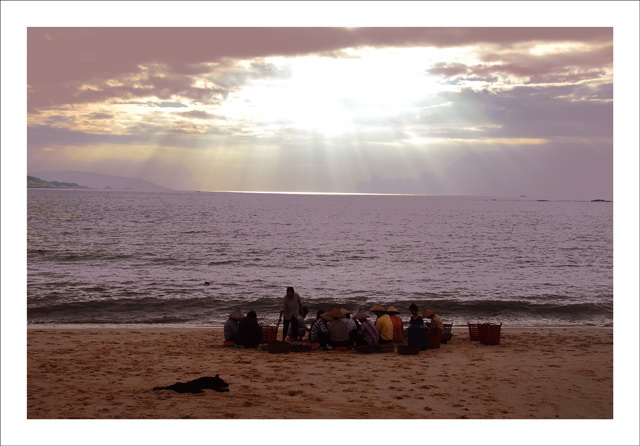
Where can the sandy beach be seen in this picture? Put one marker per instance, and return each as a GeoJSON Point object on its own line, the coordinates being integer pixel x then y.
{"type": "Point", "coordinates": [535, 373]}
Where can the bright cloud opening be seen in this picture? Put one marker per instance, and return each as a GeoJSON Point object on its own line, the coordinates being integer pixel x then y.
{"type": "Point", "coordinates": [332, 96]}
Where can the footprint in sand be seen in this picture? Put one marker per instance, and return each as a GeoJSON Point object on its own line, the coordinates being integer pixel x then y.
{"type": "Point", "coordinates": [294, 392]}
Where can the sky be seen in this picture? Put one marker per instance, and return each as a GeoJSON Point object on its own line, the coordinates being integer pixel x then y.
{"type": "Point", "coordinates": [503, 111]}
{"type": "Point", "coordinates": [440, 108]}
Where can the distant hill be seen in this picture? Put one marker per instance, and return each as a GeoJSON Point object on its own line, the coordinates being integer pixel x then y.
{"type": "Point", "coordinates": [37, 182]}
{"type": "Point", "coordinates": [100, 181]}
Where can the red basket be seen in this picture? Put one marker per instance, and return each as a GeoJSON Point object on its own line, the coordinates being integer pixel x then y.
{"type": "Point", "coordinates": [434, 336]}
{"type": "Point", "coordinates": [269, 333]}
{"type": "Point", "coordinates": [489, 334]}
{"type": "Point", "coordinates": [473, 332]}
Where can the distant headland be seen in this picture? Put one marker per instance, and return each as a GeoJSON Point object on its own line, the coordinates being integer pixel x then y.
{"type": "Point", "coordinates": [36, 182]}
{"type": "Point", "coordinates": [90, 180]}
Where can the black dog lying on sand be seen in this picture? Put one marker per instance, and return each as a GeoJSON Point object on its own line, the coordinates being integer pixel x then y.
{"type": "Point", "coordinates": [198, 385]}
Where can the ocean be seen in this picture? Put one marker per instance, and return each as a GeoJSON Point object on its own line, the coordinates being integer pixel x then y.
{"type": "Point", "coordinates": [188, 259]}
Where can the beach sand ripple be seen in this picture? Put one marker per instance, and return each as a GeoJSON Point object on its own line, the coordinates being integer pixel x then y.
{"type": "Point", "coordinates": [539, 373]}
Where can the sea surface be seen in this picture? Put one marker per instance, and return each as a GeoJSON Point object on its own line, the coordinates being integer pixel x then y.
{"type": "Point", "coordinates": [190, 258]}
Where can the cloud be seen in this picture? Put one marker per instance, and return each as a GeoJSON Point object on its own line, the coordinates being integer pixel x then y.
{"type": "Point", "coordinates": [60, 60]}
{"type": "Point", "coordinates": [529, 112]}
{"type": "Point", "coordinates": [397, 109]}
{"type": "Point", "coordinates": [42, 136]}
{"type": "Point", "coordinates": [169, 104]}
{"type": "Point", "coordinates": [199, 114]}
{"type": "Point", "coordinates": [101, 116]}
{"type": "Point", "coordinates": [562, 66]}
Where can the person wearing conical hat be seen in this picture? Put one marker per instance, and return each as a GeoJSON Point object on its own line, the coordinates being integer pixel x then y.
{"type": "Point", "coordinates": [338, 330]}
{"type": "Point", "coordinates": [318, 332]}
{"type": "Point", "coordinates": [436, 321]}
{"type": "Point", "coordinates": [398, 324]}
{"type": "Point", "coordinates": [231, 326]}
{"type": "Point", "coordinates": [351, 325]}
{"type": "Point", "coordinates": [383, 324]}
{"type": "Point", "coordinates": [367, 333]}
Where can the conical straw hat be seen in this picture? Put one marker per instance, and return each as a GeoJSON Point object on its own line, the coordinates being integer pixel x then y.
{"type": "Point", "coordinates": [427, 313]}
{"type": "Point", "coordinates": [379, 308]}
{"type": "Point", "coordinates": [392, 309]}
{"type": "Point", "coordinates": [361, 315]}
{"type": "Point", "coordinates": [236, 315]}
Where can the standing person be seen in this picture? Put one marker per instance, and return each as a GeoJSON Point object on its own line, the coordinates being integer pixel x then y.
{"type": "Point", "coordinates": [398, 324]}
{"type": "Point", "coordinates": [231, 326]}
{"type": "Point", "coordinates": [383, 324]}
{"type": "Point", "coordinates": [249, 331]}
{"type": "Point", "coordinates": [290, 309]}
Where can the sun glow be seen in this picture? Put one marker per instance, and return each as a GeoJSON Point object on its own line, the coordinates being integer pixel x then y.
{"type": "Point", "coordinates": [333, 96]}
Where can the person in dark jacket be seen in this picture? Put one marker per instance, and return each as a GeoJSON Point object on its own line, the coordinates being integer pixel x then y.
{"type": "Point", "coordinates": [249, 331]}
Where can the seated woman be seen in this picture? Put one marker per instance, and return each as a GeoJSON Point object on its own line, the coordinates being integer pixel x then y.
{"type": "Point", "coordinates": [383, 324]}
{"type": "Point", "coordinates": [367, 333]}
{"type": "Point", "coordinates": [398, 324]}
{"type": "Point", "coordinates": [318, 332]}
{"type": "Point", "coordinates": [436, 321]}
{"type": "Point", "coordinates": [351, 324]}
{"type": "Point", "coordinates": [249, 331]}
{"type": "Point", "coordinates": [338, 329]}
{"type": "Point", "coordinates": [302, 325]}
{"type": "Point", "coordinates": [416, 318]}
{"type": "Point", "coordinates": [231, 326]}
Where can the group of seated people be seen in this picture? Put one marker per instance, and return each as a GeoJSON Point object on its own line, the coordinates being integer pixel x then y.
{"type": "Point", "coordinates": [334, 328]}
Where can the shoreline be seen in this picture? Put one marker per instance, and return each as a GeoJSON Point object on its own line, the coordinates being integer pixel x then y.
{"type": "Point", "coordinates": [220, 327]}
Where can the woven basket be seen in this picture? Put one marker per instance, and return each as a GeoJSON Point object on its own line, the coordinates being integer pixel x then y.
{"type": "Point", "coordinates": [473, 332]}
{"type": "Point", "coordinates": [278, 348]}
{"type": "Point", "coordinates": [385, 348]}
{"type": "Point", "coordinates": [489, 334]}
{"type": "Point", "coordinates": [447, 335]}
{"type": "Point", "coordinates": [269, 332]}
{"type": "Point", "coordinates": [408, 349]}
{"type": "Point", "coordinates": [301, 347]}
{"type": "Point", "coordinates": [365, 348]}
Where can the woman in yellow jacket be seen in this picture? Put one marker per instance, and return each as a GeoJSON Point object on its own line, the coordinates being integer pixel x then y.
{"type": "Point", "coordinates": [383, 324]}
{"type": "Point", "coordinates": [398, 324]}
